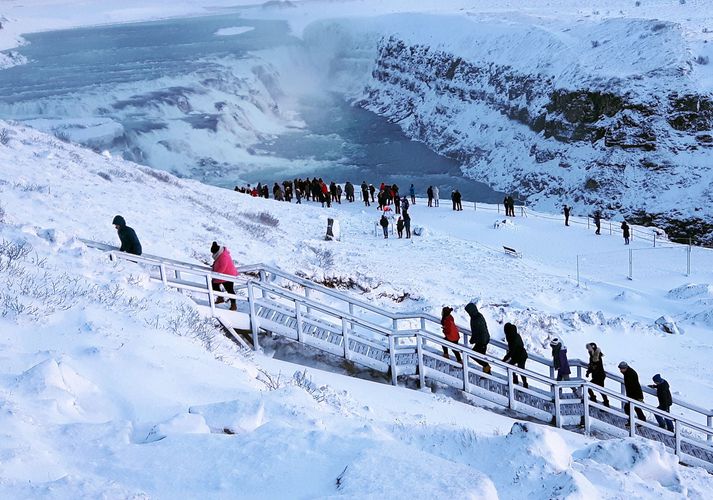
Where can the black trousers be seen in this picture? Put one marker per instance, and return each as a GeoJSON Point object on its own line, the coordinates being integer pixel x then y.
{"type": "Point", "coordinates": [228, 285]}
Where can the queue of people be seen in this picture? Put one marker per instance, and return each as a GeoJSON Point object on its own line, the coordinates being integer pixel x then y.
{"type": "Point", "coordinates": [516, 355]}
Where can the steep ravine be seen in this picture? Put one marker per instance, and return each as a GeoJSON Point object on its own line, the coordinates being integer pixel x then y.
{"type": "Point", "coordinates": [635, 146]}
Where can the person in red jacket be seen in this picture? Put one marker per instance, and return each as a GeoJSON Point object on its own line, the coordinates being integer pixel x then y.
{"type": "Point", "coordinates": [223, 264]}
{"type": "Point", "coordinates": [450, 330]}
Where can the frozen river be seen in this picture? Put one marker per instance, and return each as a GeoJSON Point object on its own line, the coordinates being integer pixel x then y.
{"type": "Point", "coordinates": [200, 98]}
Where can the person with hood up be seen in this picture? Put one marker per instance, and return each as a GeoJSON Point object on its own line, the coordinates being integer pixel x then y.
{"type": "Point", "coordinates": [632, 387]}
{"type": "Point", "coordinates": [129, 241]}
{"type": "Point", "coordinates": [663, 393]}
{"type": "Point", "coordinates": [479, 335]}
{"type": "Point", "coordinates": [223, 264]}
{"type": "Point", "coordinates": [559, 359]}
{"type": "Point", "coordinates": [516, 355]}
{"type": "Point", "coordinates": [400, 227]}
{"type": "Point", "coordinates": [596, 370]}
{"type": "Point", "coordinates": [450, 330]}
{"type": "Point", "coordinates": [625, 232]}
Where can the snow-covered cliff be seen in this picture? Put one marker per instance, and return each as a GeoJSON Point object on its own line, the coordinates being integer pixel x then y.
{"type": "Point", "coordinates": [603, 113]}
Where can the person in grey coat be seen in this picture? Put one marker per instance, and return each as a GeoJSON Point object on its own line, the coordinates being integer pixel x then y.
{"type": "Point", "coordinates": [479, 335]}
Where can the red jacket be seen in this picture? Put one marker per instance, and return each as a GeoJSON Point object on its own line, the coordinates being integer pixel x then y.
{"type": "Point", "coordinates": [223, 264]}
{"type": "Point", "coordinates": [450, 329]}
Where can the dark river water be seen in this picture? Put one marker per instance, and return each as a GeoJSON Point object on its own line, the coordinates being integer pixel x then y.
{"type": "Point", "coordinates": [158, 93]}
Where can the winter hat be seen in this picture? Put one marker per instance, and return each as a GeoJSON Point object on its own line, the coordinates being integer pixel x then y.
{"type": "Point", "coordinates": [446, 311]}
{"type": "Point", "coordinates": [118, 221]}
{"type": "Point", "coordinates": [657, 379]}
{"type": "Point", "coordinates": [623, 365]}
{"type": "Point", "coordinates": [555, 342]}
{"type": "Point", "coordinates": [510, 329]}
{"type": "Point", "coordinates": [214, 247]}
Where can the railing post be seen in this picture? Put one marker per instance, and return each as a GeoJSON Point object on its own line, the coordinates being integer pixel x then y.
{"type": "Point", "coordinates": [263, 279]}
{"type": "Point", "coordinates": [585, 401]}
{"type": "Point", "coordinates": [677, 437]}
{"type": "Point", "coordinates": [162, 273]}
{"type": "Point", "coordinates": [345, 338]}
{"type": "Point", "coordinates": [558, 410]}
{"type": "Point", "coordinates": [511, 389]}
{"type": "Point", "coordinates": [466, 371]}
{"type": "Point", "coordinates": [709, 421]}
{"type": "Point", "coordinates": [577, 270]}
{"type": "Point", "coordinates": [610, 232]}
{"type": "Point", "coordinates": [254, 326]}
{"type": "Point", "coordinates": [552, 371]}
{"type": "Point", "coordinates": [211, 297]}
{"type": "Point", "coordinates": [298, 316]}
{"type": "Point", "coordinates": [392, 356]}
{"type": "Point", "coordinates": [688, 262]}
{"type": "Point", "coordinates": [622, 390]}
{"type": "Point", "coordinates": [307, 297]}
{"type": "Point", "coordinates": [419, 354]}
{"type": "Point", "coordinates": [631, 264]}
{"type": "Point", "coordinates": [632, 423]}
{"type": "Point", "coordinates": [654, 239]}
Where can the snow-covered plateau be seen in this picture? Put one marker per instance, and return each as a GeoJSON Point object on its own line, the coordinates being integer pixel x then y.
{"type": "Point", "coordinates": [112, 386]}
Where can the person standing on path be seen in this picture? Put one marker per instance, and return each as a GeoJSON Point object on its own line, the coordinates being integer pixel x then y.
{"type": "Point", "coordinates": [436, 194]}
{"type": "Point", "coordinates": [632, 388]}
{"type": "Point", "coordinates": [129, 241]}
{"type": "Point", "coordinates": [566, 210]}
{"type": "Point", "coordinates": [598, 222]}
{"type": "Point", "coordinates": [407, 224]}
{"type": "Point", "coordinates": [625, 232]}
{"type": "Point", "coordinates": [479, 335]}
{"type": "Point", "coordinates": [400, 227]}
{"type": "Point", "coordinates": [412, 192]}
{"type": "Point", "coordinates": [384, 222]}
{"type": "Point", "coordinates": [429, 193]}
{"type": "Point", "coordinates": [365, 193]}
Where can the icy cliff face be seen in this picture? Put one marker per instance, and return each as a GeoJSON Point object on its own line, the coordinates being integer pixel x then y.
{"type": "Point", "coordinates": [604, 114]}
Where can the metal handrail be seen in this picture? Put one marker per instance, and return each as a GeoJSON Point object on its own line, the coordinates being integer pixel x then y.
{"type": "Point", "coordinates": [430, 336]}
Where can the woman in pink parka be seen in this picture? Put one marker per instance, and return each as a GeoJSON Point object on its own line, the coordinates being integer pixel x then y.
{"type": "Point", "coordinates": [223, 264]}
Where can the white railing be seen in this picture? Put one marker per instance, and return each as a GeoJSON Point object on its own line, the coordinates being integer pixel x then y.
{"type": "Point", "coordinates": [412, 343]}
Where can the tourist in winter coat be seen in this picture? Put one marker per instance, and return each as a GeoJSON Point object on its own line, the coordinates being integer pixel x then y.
{"type": "Point", "coordinates": [372, 190]}
{"type": "Point", "coordinates": [429, 193]}
{"type": "Point", "coordinates": [223, 264]}
{"type": "Point", "coordinates": [384, 223]}
{"type": "Point", "coordinates": [511, 206]}
{"type": "Point", "coordinates": [598, 222]}
{"type": "Point", "coordinates": [458, 200]}
{"type": "Point", "coordinates": [559, 359]}
{"type": "Point", "coordinates": [407, 224]}
{"type": "Point", "coordinates": [566, 210]}
{"type": "Point", "coordinates": [450, 330]}
{"type": "Point", "coordinates": [400, 227]}
{"type": "Point", "coordinates": [129, 241]}
{"type": "Point", "coordinates": [404, 204]}
{"type": "Point", "coordinates": [625, 232]}
{"type": "Point", "coordinates": [516, 355]}
{"type": "Point", "coordinates": [632, 388]}
{"type": "Point", "coordinates": [365, 193]}
{"type": "Point", "coordinates": [596, 370]}
{"type": "Point", "coordinates": [479, 335]}
{"type": "Point", "coordinates": [663, 393]}
{"type": "Point", "coordinates": [436, 194]}
{"type": "Point", "coordinates": [412, 192]}
{"type": "Point", "coordinates": [453, 199]}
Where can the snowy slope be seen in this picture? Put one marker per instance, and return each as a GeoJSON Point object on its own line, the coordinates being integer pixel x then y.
{"type": "Point", "coordinates": [112, 386]}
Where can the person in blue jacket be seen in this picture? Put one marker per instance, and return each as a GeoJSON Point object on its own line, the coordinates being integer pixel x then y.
{"type": "Point", "coordinates": [129, 241]}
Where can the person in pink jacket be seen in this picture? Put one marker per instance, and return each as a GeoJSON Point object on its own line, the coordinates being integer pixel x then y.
{"type": "Point", "coordinates": [223, 264]}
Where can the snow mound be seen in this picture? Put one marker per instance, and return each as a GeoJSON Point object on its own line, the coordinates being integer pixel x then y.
{"type": "Point", "coordinates": [372, 475]}
{"type": "Point", "coordinates": [647, 460]}
{"type": "Point", "coordinates": [535, 445]}
{"type": "Point", "coordinates": [183, 423]}
{"type": "Point", "coordinates": [690, 290]}
{"type": "Point", "coordinates": [236, 30]}
{"type": "Point", "coordinates": [235, 417]}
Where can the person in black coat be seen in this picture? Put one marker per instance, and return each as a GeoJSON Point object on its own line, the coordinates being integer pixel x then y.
{"type": "Point", "coordinates": [479, 335]}
{"type": "Point", "coordinates": [365, 193]}
{"type": "Point", "coordinates": [625, 232]}
{"type": "Point", "coordinates": [566, 211]}
{"type": "Point", "coordinates": [663, 393]}
{"type": "Point", "coordinates": [516, 355]}
{"type": "Point", "coordinates": [632, 388]}
{"type": "Point", "coordinates": [129, 241]}
{"type": "Point", "coordinates": [596, 370]}
{"type": "Point", "coordinates": [407, 224]}
{"type": "Point", "coordinates": [384, 223]}
{"type": "Point", "coordinates": [429, 193]}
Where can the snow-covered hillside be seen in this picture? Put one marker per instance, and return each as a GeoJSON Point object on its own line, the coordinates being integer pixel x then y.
{"type": "Point", "coordinates": [113, 386]}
